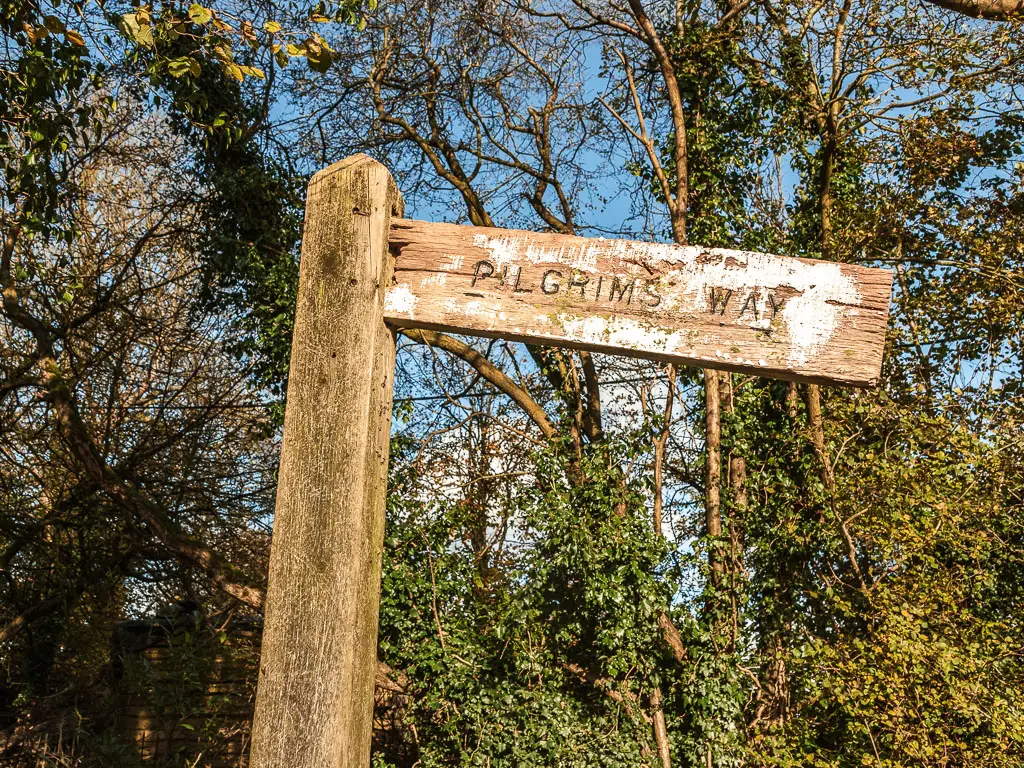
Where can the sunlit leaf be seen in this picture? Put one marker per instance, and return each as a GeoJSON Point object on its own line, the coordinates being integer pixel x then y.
{"type": "Point", "coordinates": [200, 14]}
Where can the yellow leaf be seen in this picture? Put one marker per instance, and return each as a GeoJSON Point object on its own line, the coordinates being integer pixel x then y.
{"type": "Point", "coordinates": [223, 52]}
{"type": "Point", "coordinates": [199, 14]}
{"type": "Point", "coordinates": [136, 25]}
{"type": "Point", "coordinates": [235, 71]}
{"type": "Point", "coordinates": [272, 27]}
{"type": "Point", "coordinates": [35, 34]}
{"type": "Point", "coordinates": [74, 37]}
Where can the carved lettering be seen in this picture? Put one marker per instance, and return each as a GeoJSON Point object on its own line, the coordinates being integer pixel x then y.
{"type": "Point", "coordinates": [758, 303]}
{"type": "Point", "coordinates": [575, 281]}
{"type": "Point", "coordinates": [515, 285]}
{"type": "Point", "coordinates": [751, 304]}
{"type": "Point", "coordinates": [651, 296]}
{"type": "Point", "coordinates": [554, 286]}
{"type": "Point", "coordinates": [622, 289]}
{"type": "Point", "coordinates": [479, 272]}
{"type": "Point", "coordinates": [719, 298]}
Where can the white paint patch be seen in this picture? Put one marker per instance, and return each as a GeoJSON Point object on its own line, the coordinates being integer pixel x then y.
{"type": "Point", "coordinates": [621, 332]}
{"type": "Point", "coordinates": [810, 318]}
{"type": "Point", "coordinates": [506, 249]}
{"type": "Point", "coordinates": [400, 301]}
{"type": "Point", "coordinates": [488, 311]}
{"type": "Point", "coordinates": [438, 278]}
{"type": "Point", "coordinates": [454, 263]}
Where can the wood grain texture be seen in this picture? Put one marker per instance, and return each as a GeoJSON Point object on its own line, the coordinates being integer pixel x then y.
{"type": "Point", "coordinates": [774, 316]}
{"type": "Point", "coordinates": [314, 702]}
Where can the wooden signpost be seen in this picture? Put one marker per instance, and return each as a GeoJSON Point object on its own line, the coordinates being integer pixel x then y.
{"type": "Point", "coordinates": [365, 271]}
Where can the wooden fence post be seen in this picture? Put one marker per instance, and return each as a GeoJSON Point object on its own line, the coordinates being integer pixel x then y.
{"type": "Point", "coordinates": [314, 706]}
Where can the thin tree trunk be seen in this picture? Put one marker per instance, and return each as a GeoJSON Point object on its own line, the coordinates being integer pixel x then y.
{"type": "Point", "coordinates": [660, 444]}
{"type": "Point", "coordinates": [713, 472]}
{"type": "Point", "coordinates": [660, 729]}
{"type": "Point", "coordinates": [479, 497]}
{"type": "Point", "coordinates": [792, 400]}
{"type": "Point", "coordinates": [825, 190]}
{"type": "Point", "coordinates": [737, 483]}
{"type": "Point", "coordinates": [668, 629]}
{"type": "Point", "coordinates": [817, 428]}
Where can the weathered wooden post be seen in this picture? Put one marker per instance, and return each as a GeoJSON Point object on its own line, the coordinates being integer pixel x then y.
{"type": "Point", "coordinates": [314, 706]}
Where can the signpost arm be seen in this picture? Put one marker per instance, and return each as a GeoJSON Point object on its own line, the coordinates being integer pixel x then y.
{"type": "Point", "coordinates": [314, 705]}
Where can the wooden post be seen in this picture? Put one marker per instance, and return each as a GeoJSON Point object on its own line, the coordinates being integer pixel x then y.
{"type": "Point", "coordinates": [314, 706]}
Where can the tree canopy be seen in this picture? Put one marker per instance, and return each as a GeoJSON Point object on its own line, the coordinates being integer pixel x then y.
{"type": "Point", "coordinates": [589, 560]}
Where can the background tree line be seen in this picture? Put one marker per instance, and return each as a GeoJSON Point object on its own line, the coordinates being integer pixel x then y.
{"type": "Point", "coordinates": [590, 560]}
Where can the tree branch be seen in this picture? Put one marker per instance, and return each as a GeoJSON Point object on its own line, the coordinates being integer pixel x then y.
{"type": "Point", "coordinates": [991, 10]}
{"type": "Point", "coordinates": [490, 372]}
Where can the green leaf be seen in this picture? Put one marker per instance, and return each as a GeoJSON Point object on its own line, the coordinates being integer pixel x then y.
{"type": "Point", "coordinates": [185, 65]}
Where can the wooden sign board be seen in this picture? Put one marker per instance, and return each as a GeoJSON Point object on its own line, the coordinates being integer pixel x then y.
{"type": "Point", "coordinates": [774, 316]}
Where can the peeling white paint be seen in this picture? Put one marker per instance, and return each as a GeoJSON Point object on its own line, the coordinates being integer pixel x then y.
{"type": "Point", "coordinates": [621, 332]}
{"type": "Point", "coordinates": [454, 263]}
{"type": "Point", "coordinates": [507, 249]}
{"type": "Point", "coordinates": [400, 300]}
{"type": "Point", "coordinates": [487, 310]}
{"type": "Point", "coordinates": [438, 278]}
